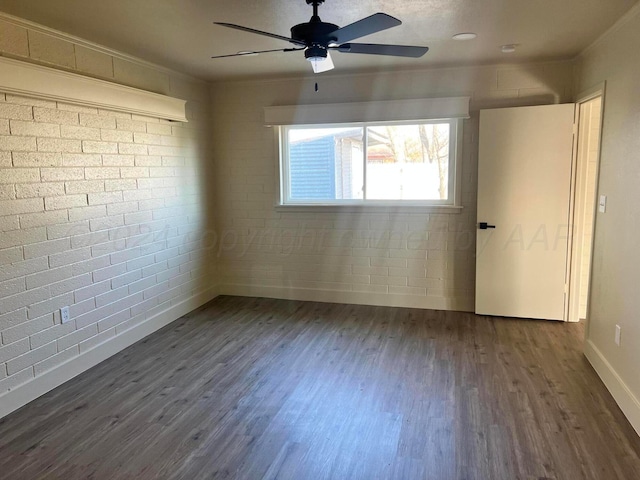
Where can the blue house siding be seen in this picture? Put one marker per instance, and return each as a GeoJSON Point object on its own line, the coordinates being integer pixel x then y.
{"type": "Point", "coordinates": [312, 168]}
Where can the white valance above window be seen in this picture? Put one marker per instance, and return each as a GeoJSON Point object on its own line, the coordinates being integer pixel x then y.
{"type": "Point", "coordinates": [27, 79]}
{"type": "Point", "coordinates": [382, 111]}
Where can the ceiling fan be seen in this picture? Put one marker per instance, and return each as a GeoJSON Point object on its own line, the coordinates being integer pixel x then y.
{"type": "Point", "coordinates": [318, 38]}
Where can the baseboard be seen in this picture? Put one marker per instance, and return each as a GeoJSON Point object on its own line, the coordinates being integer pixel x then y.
{"type": "Point", "coordinates": [626, 400]}
{"type": "Point", "coordinates": [27, 392]}
{"type": "Point", "coordinates": [461, 304]}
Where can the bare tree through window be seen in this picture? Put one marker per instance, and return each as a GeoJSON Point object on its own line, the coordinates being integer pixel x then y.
{"type": "Point", "coordinates": [435, 145]}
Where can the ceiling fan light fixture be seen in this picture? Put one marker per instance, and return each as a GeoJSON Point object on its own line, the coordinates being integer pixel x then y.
{"type": "Point", "coordinates": [316, 59]}
{"type": "Point", "coordinates": [317, 64]}
{"type": "Point", "coordinates": [315, 53]}
{"type": "Point", "coordinates": [319, 58]}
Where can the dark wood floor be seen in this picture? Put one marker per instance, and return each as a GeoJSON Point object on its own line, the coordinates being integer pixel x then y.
{"type": "Point", "coordinates": [266, 389]}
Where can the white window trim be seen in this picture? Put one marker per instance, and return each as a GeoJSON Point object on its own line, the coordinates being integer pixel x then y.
{"type": "Point", "coordinates": [452, 205]}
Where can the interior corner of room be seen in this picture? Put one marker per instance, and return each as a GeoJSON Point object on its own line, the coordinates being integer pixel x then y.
{"type": "Point", "coordinates": [145, 184]}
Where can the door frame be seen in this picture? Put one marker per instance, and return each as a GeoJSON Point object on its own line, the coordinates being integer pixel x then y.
{"type": "Point", "coordinates": [574, 264]}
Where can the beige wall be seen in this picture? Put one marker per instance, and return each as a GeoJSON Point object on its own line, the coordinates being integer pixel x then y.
{"type": "Point", "coordinates": [614, 295]}
{"type": "Point", "coordinates": [117, 236]}
{"type": "Point", "coordinates": [101, 211]}
{"type": "Point", "coordinates": [378, 257]}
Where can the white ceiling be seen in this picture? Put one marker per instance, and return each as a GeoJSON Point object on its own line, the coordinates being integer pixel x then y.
{"type": "Point", "coordinates": [180, 33]}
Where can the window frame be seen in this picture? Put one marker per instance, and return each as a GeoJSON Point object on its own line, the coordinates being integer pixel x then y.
{"type": "Point", "coordinates": [455, 170]}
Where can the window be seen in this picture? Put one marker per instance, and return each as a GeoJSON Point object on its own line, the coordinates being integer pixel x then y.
{"type": "Point", "coordinates": [392, 163]}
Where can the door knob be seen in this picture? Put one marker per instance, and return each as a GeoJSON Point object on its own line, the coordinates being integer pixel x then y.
{"type": "Point", "coordinates": [485, 225]}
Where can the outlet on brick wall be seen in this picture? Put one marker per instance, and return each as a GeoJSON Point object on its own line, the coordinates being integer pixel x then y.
{"type": "Point", "coordinates": [86, 214]}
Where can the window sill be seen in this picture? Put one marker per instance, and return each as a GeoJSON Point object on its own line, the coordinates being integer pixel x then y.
{"type": "Point", "coordinates": [332, 208]}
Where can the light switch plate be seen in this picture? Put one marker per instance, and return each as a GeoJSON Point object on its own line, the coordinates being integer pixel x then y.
{"type": "Point", "coordinates": [602, 204]}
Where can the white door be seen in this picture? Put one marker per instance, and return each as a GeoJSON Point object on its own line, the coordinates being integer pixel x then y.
{"type": "Point", "coordinates": [524, 185]}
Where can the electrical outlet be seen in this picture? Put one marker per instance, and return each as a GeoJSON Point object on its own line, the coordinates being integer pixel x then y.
{"type": "Point", "coordinates": [618, 332]}
{"type": "Point", "coordinates": [64, 314]}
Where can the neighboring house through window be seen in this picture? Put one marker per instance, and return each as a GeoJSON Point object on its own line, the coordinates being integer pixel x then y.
{"type": "Point", "coordinates": [386, 163]}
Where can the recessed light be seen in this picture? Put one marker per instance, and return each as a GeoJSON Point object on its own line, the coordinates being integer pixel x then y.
{"type": "Point", "coordinates": [510, 48]}
{"type": "Point", "coordinates": [464, 36]}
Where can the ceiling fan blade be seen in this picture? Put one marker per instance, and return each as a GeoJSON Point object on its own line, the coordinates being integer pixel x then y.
{"type": "Point", "coordinates": [257, 52]}
{"type": "Point", "coordinates": [324, 65]}
{"type": "Point", "coordinates": [260, 32]}
{"type": "Point", "coordinates": [378, 49]}
{"type": "Point", "coordinates": [372, 24]}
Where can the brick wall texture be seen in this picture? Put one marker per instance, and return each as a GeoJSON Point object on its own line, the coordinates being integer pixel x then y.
{"type": "Point", "coordinates": [414, 258]}
{"type": "Point", "coordinates": [121, 217]}
{"type": "Point", "coordinates": [101, 211]}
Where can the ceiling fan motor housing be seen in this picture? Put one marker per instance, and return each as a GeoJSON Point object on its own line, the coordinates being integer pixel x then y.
{"type": "Point", "coordinates": [314, 32]}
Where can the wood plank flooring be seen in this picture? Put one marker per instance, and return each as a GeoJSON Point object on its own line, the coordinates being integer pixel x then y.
{"type": "Point", "coordinates": [249, 388]}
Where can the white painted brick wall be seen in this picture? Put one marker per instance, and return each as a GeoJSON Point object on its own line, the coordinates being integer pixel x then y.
{"type": "Point", "coordinates": [83, 225]}
{"type": "Point", "coordinates": [419, 258]}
